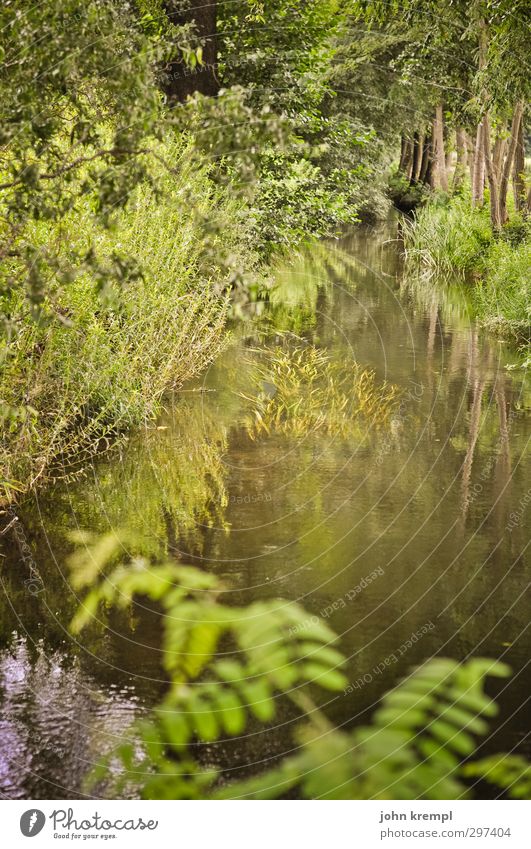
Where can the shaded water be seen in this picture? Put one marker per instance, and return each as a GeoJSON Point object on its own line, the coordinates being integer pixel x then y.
{"type": "Point", "coordinates": [412, 534]}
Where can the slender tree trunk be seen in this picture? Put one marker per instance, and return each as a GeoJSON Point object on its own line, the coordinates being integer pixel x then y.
{"type": "Point", "coordinates": [478, 177]}
{"type": "Point", "coordinates": [498, 155]}
{"type": "Point", "coordinates": [182, 81]}
{"type": "Point", "coordinates": [406, 157]}
{"type": "Point", "coordinates": [509, 159]}
{"type": "Point", "coordinates": [518, 170]}
{"type": "Point", "coordinates": [417, 156]}
{"type": "Point", "coordinates": [440, 177]}
{"type": "Point", "coordinates": [483, 131]}
{"type": "Point", "coordinates": [470, 157]}
{"type": "Point", "coordinates": [494, 191]}
{"type": "Point", "coordinates": [460, 165]}
{"type": "Point", "coordinates": [425, 165]}
{"type": "Point", "coordinates": [402, 159]}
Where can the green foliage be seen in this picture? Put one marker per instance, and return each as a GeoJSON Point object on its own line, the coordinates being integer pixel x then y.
{"type": "Point", "coordinates": [123, 224]}
{"type": "Point", "coordinates": [281, 51]}
{"type": "Point", "coordinates": [226, 666]}
{"type": "Point", "coordinates": [283, 55]}
{"type": "Point", "coordinates": [413, 748]}
{"type": "Point", "coordinates": [405, 196]}
{"type": "Point", "coordinates": [504, 295]}
{"type": "Point", "coordinates": [509, 772]}
{"type": "Point", "coordinates": [73, 123]}
{"type": "Point", "coordinates": [293, 203]}
{"type": "Point", "coordinates": [231, 668]}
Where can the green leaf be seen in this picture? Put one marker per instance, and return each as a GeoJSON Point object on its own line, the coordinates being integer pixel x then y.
{"type": "Point", "coordinates": [203, 719]}
{"type": "Point", "coordinates": [459, 741]}
{"type": "Point", "coordinates": [176, 726]}
{"type": "Point", "coordinates": [330, 679]}
{"type": "Point", "coordinates": [231, 713]}
{"type": "Point", "coordinates": [202, 642]}
{"type": "Point", "coordinates": [258, 696]}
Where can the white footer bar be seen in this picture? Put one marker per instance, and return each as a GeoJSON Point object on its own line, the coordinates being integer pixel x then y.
{"type": "Point", "coordinates": [267, 825]}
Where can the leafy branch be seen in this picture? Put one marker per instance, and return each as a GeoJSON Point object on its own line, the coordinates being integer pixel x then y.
{"type": "Point", "coordinates": [230, 668]}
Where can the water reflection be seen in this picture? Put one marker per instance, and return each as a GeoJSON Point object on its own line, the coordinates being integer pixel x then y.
{"type": "Point", "coordinates": [55, 720]}
{"type": "Point", "coordinates": [425, 506]}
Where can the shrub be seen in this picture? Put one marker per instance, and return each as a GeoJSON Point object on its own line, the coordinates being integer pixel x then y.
{"type": "Point", "coordinates": [103, 358]}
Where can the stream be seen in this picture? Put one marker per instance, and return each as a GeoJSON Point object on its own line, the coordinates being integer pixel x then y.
{"type": "Point", "coordinates": [409, 540]}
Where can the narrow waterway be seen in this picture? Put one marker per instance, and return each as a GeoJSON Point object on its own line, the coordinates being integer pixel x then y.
{"type": "Point", "coordinates": [409, 539]}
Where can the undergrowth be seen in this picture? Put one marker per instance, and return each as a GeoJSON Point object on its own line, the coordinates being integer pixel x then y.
{"type": "Point", "coordinates": [449, 237]}
{"type": "Point", "coordinates": [101, 356]}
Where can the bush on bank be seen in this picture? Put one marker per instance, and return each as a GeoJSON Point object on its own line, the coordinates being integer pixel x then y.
{"type": "Point", "coordinates": [100, 360]}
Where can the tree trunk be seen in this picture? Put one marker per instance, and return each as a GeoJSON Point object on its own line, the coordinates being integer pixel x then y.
{"type": "Point", "coordinates": [470, 157]}
{"type": "Point", "coordinates": [518, 170]}
{"type": "Point", "coordinates": [494, 191]}
{"type": "Point", "coordinates": [181, 80]}
{"type": "Point", "coordinates": [509, 159]}
{"type": "Point", "coordinates": [460, 165]}
{"type": "Point", "coordinates": [478, 176]}
{"type": "Point", "coordinates": [425, 164]}
{"type": "Point", "coordinates": [417, 157]}
{"type": "Point", "coordinates": [402, 153]}
{"type": "Point", "coordinates": [498, 155]}
{"type": "Point", "coordinates": [483, 130]}
{"type": "Point", "coordinates": [406, 157]}
{"type": "Point", "coordinates": [440, 177]}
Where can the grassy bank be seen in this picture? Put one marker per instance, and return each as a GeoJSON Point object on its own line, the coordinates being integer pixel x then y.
{"type": "Point", "coordinates": [449, 237]}
{"type": "Point", "coordinates": [101, 354]}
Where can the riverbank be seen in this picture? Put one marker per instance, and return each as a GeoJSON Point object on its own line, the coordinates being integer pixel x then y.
{"type": "Point", "coordinates": [449, 238]}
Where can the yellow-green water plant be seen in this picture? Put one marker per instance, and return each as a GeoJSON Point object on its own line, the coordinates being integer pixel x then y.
{"type": "Point", "coordinates": [301, 390]}
{"type": "Point", "coordinates": [232, 669]}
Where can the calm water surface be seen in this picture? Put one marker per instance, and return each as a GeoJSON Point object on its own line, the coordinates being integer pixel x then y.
{"type": "Point", "coordinates": [417, 532]}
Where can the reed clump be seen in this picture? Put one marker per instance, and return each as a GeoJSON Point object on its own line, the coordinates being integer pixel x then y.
{"type": "Point", "coordinates": [303, 390]}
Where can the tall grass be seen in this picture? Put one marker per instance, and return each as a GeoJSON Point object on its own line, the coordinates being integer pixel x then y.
{"type": "Point", "coordinates": [503, 295]}
{"type": "Point", "coordinates": [453, 239]}
{"type": "Point", "coordinates": [449, 238]}
{"type": "Point", "coordinates": [101, 365]}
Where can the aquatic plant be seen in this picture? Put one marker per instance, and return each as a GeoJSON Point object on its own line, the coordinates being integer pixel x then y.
{"type": "Point", "coordinates": [302, 390]}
